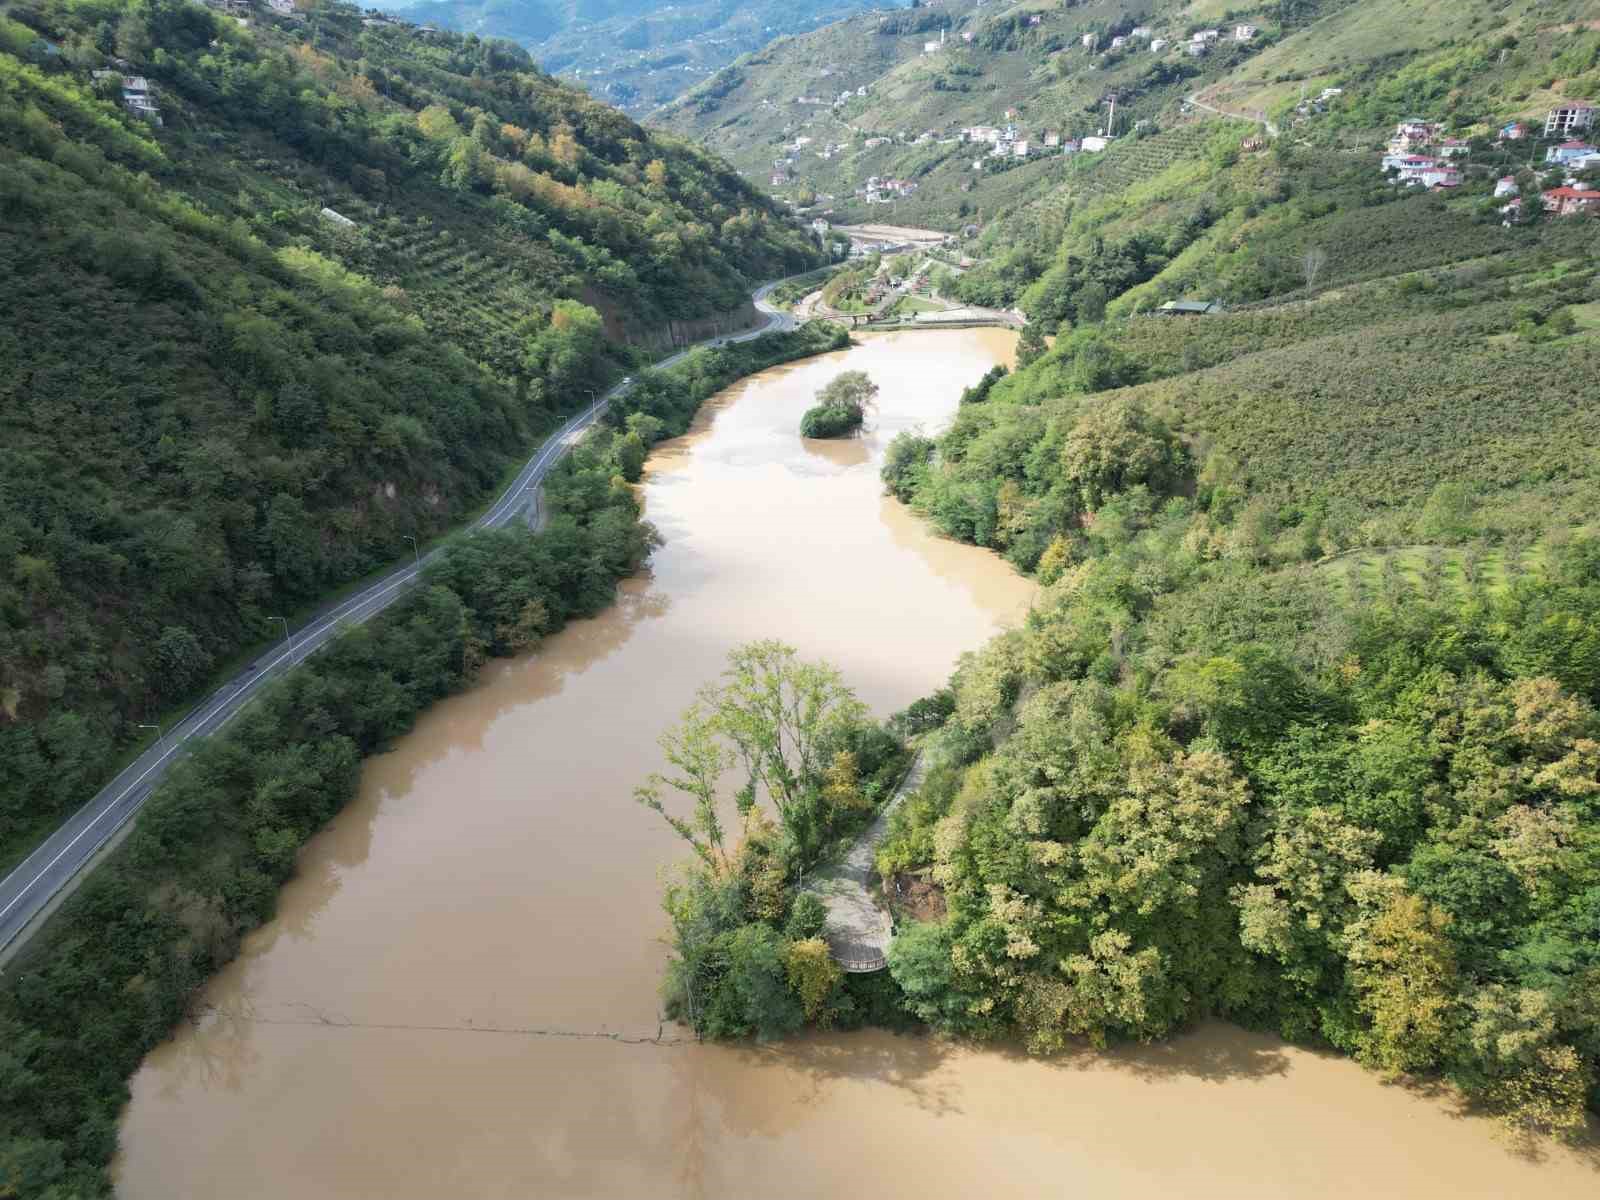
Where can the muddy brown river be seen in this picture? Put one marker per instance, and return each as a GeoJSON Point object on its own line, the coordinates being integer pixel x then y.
{"type": "Point", "coordinates": [415, 1022]}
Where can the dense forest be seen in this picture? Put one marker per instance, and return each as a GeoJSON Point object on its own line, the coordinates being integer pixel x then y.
{"type": "Point", "coordinates": [119, 965]}
{"type": "Point", "coordinates": [1303, 730]}
{"type": "Point", "coordinates": [218, 403]}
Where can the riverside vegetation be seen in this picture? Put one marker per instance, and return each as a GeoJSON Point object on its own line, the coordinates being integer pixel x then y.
{"type": "Point", "coordinates": [749, 958]}
{"type": "Point", "coordinates": [271, 400]}
{"type": "Point", "coordinates": [1302, 731]}
{"type": "Point", "coordinates": [1214, 774]}
{"type": "Point", "coordinates": [121, 961]}
{"type": "Point", "coordinates": [841, 406]}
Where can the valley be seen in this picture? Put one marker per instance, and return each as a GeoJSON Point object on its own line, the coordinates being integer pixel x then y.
{"type": "Point", "coordinates": [530, 1054]}
{"type": "Point", "coordinates": [1154, 442]}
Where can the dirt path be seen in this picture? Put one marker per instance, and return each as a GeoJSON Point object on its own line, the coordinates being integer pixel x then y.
{"type": "Point", "coordinates": [1260, 118]}
{"type": "Point", "coordinates": [857, 930]}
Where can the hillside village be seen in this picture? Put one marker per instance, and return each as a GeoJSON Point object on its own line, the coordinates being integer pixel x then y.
{"type": "Point", "coordinates": [956, 110]}
{"type": "Point", "coordinates": [1420, 155]}
{"type": "Point", "coordinates": [1009, 142]}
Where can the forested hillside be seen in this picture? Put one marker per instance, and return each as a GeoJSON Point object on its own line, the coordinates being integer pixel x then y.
{"type": "Point", "coordinates": [119, 965]}
{"type": "Point", "coordinates": [1304, 728]}
{"type": "Point", "coordinates": [322, 307]}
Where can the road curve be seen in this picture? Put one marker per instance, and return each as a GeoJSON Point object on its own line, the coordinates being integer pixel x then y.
{"type": "Point", "coordinates": [34, 882]}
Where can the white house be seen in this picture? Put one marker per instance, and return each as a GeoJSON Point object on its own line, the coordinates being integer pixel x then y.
{"type": "Point", "coordinates": [1089, 41]}
{"type": "Point", "coordinates": [1094, 144]}
{"type": "Point", "coordinates": [1205, 35]}
{"type": "Point", "coordinates": [1020, 148]}
{"type": "Point", "coordinates": [1197, 49]}
{"type": "Point", "coordinates": [1243, 33]}
{"type": "Point", "coordinates": [1505, 186]}
{"type": "Point", "coordinates": [1052, 139]}
{"type": "Point", "coordinates": [1409, 165]}
{"type": "Point", "coordinates": [1117, 43]}
{"type": "Point", "coordinates": [1157, 45]}
{"type": "Point", "coordinates": [1142, 32]}
{"type": "Point", "coordinates": [337, 218]}
{"type": "Point", "coordinates": [820, 225]}
{"type": "Point", "coordinates": [136, 96]}
{"type": "Point", "coordinates": [1454, 148]}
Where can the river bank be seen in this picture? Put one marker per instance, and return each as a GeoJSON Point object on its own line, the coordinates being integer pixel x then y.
{"type": "Point", "coordinates": [119, 964]}
{"type": "Point", "coordinates": [401, 1028]}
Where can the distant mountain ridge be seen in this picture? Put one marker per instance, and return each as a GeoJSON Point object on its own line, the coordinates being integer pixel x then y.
{"type": "Point", "coordinates": [631, 53]}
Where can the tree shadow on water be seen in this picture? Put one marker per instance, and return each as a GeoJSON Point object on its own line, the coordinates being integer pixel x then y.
{"type": "Point", "coordinates": [1530, 1145]}
{"type": "Point", "coordinates": [1213, 1052]}
{"type": "Point", "coordinates": [908, 1063]}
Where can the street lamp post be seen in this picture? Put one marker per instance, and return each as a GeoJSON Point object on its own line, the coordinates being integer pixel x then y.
{"type": "Point", "coordinates": [157, 728]}
{"type": "Point", "coordinates": [285, 621]}
{"type": "Point", "coordinates": [415, 553]}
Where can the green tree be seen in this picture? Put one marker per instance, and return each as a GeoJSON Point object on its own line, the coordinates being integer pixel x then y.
{"type": "Point", "coordinates": [1030, 345]}
{"type": "Point", "coordinates": [182, 660]}
{"type": "Point", "coordinates": [699, 759]}
{"type": "Point", "coordinates": [631, 452]}
{"type": "Point", "coordinates": [1403, 968]}
{"type": "Point", "coordinates": [1534, 1081]}
{"type": "Point", "coordinates": [903, 463]}
{"type": "Point", "coordinates": [841, 406]}
{"type": "Point", "coordinates": [812, 974]}
{"type": "Point", "coordinates": [1115, 446]}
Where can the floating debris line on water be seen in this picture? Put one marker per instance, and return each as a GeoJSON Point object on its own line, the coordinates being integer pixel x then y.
{"type": "Point", "coordinates": [313, 1016]}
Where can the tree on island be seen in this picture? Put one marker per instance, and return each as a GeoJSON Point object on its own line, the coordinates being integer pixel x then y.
{"type": "Point", "coordinates": [840, 407]}
{"type": "Point", "coordinates": [748, 956]}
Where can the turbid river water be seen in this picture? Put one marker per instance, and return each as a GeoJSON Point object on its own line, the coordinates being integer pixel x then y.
{"type": "Point", "coordinates": [495, 878]}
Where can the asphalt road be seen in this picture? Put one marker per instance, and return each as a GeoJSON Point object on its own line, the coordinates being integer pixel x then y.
{"type": "Point", "coordinates": [30, 886]}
